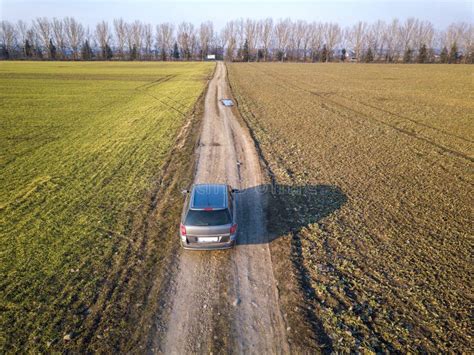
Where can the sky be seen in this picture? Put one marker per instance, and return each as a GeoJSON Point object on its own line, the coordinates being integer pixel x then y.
{"type": "Point", "coordinates": [344, 12]}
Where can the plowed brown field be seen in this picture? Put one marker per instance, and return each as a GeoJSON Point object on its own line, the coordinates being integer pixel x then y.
{"type": "Point", "coordinates": [375, 220]}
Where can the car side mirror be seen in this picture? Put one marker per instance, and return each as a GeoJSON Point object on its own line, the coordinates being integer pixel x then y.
{"type": "Point", "coordinates": [235, 191]}
{"type": "Point", "coordinates": [185, 192]}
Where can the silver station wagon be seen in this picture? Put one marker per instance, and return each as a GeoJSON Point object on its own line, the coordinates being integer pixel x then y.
{"type": "Point", "coordinates": [209, 217]}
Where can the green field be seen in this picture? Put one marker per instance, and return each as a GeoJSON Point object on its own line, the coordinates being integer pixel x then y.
{"type": "Point", "coordinates": [80, 145]}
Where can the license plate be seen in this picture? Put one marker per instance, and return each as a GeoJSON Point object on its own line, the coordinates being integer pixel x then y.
{"type": "Point", "coordinates": [208, 240]}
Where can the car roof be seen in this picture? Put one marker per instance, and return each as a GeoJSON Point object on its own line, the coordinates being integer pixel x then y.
{"type": "Point", "coordinates": [208, 196]}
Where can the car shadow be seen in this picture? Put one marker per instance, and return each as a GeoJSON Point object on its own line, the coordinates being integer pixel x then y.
{"type": "Point", "coordinates": [285, 208]}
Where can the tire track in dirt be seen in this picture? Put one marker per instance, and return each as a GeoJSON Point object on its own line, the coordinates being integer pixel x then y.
{"type": "Point", "coordinates": [227, 301]}
{"type": "Point", "coordinates": [382, 111]}
{"type": "Point", "coordinates": [347, 108]}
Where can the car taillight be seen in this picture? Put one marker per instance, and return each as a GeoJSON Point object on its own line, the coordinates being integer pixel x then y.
{"type": "Point", "coordinates": [233, 229]}
{"type": "Point", "coordinates": [183, 230]}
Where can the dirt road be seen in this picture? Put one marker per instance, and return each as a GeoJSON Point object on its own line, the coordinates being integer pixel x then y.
{"type": "Point", "coordinates": [227, 300]}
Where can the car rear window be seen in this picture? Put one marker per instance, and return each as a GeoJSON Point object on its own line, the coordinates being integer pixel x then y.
{"type": "Point", "coordinates": [207, 218]}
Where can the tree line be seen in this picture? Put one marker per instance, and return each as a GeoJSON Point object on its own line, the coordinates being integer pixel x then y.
{"type": "Point", "coordinates": [406, 41]}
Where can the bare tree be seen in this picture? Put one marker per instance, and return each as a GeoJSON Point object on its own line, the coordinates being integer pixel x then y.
{"type": "Point", "coordinates": [240, 33]}
{"type": "Point", "coordinates": [407, 33]}
{"type": "Point", "coordinates": [102, 35]}
{"type": "Point", "coordinates": [306, 40]}
{"type": "Point", "coordinates": [316, 31]}
{"type": "Point", "coordinates": [88, 36]}
{"type": "Point", "coordinates": [120, 28]}
{"type": "Point", "coordinates": [251, 35]}
{"type": "Point", "coordinates": [357, 35]}
{"type": "Point", "coordinates": [374, 39]}
{"type": "Point", "coordinates": [282, 36]}
{"type": "Point", "coordinates": [147, 33]}
{"type": "Point", "coordinates": [456, 34]}
{"type": "Point", "coordinates": [370, 40]}
{"type": "Point", "coordinates": [291, 40]}
{"type": "Point", "coordinates": [217, 43]}
{"type": "Point", "coordinates": [34, 41]}
{"type": "Point", "coordinates": [229, 35]}
{"type": "Point", "coordinates": [194, 42]}
{"type": "Point", "coordinates": [74, 34]}
{"type": "Point", "coordinates": [391, 40]}
{"type": "Point", "coordinates": [164, 39]}
{"type": "Point", "coordinates": [43, 29]}
{"type": "Point", "coordinates": [266, 32]}
{"type": "Point", "coordinates": [301, 38]}
{"type": "Point", "coordinates": [7, 37]}
{"type": "Point", "coordinates": [129, 40]}
{"type": "Point", "coordinates": [345, 42]}
{"type": "Point", "coordinates": [292, 43]}
{"type": "Point", "coordinates": [424, 35]}
{"type": "Point", "coordinates": [22, 32]}
{"type": "Point", "coordinates": [467, 40]}
{"type": "Point", "coordinates": [134, 38]}
{"type": "Point", "coordinates": [186, 39]}
{"type": "Point", "coordinates": [206, 33]}
{"type": "Point", "coordinates": [332, 36]}
{"type": "Point", "coordinates": [449, 36]}
{"type": "Point", "coordinates": [59, 36]}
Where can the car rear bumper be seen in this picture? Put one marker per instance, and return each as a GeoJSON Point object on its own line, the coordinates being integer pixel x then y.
{"type": "Point", "coordinates": [208, 246]}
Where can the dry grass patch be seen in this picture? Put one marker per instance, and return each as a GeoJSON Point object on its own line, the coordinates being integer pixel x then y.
{"type": "Point", "coordinates": [385, 264]}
